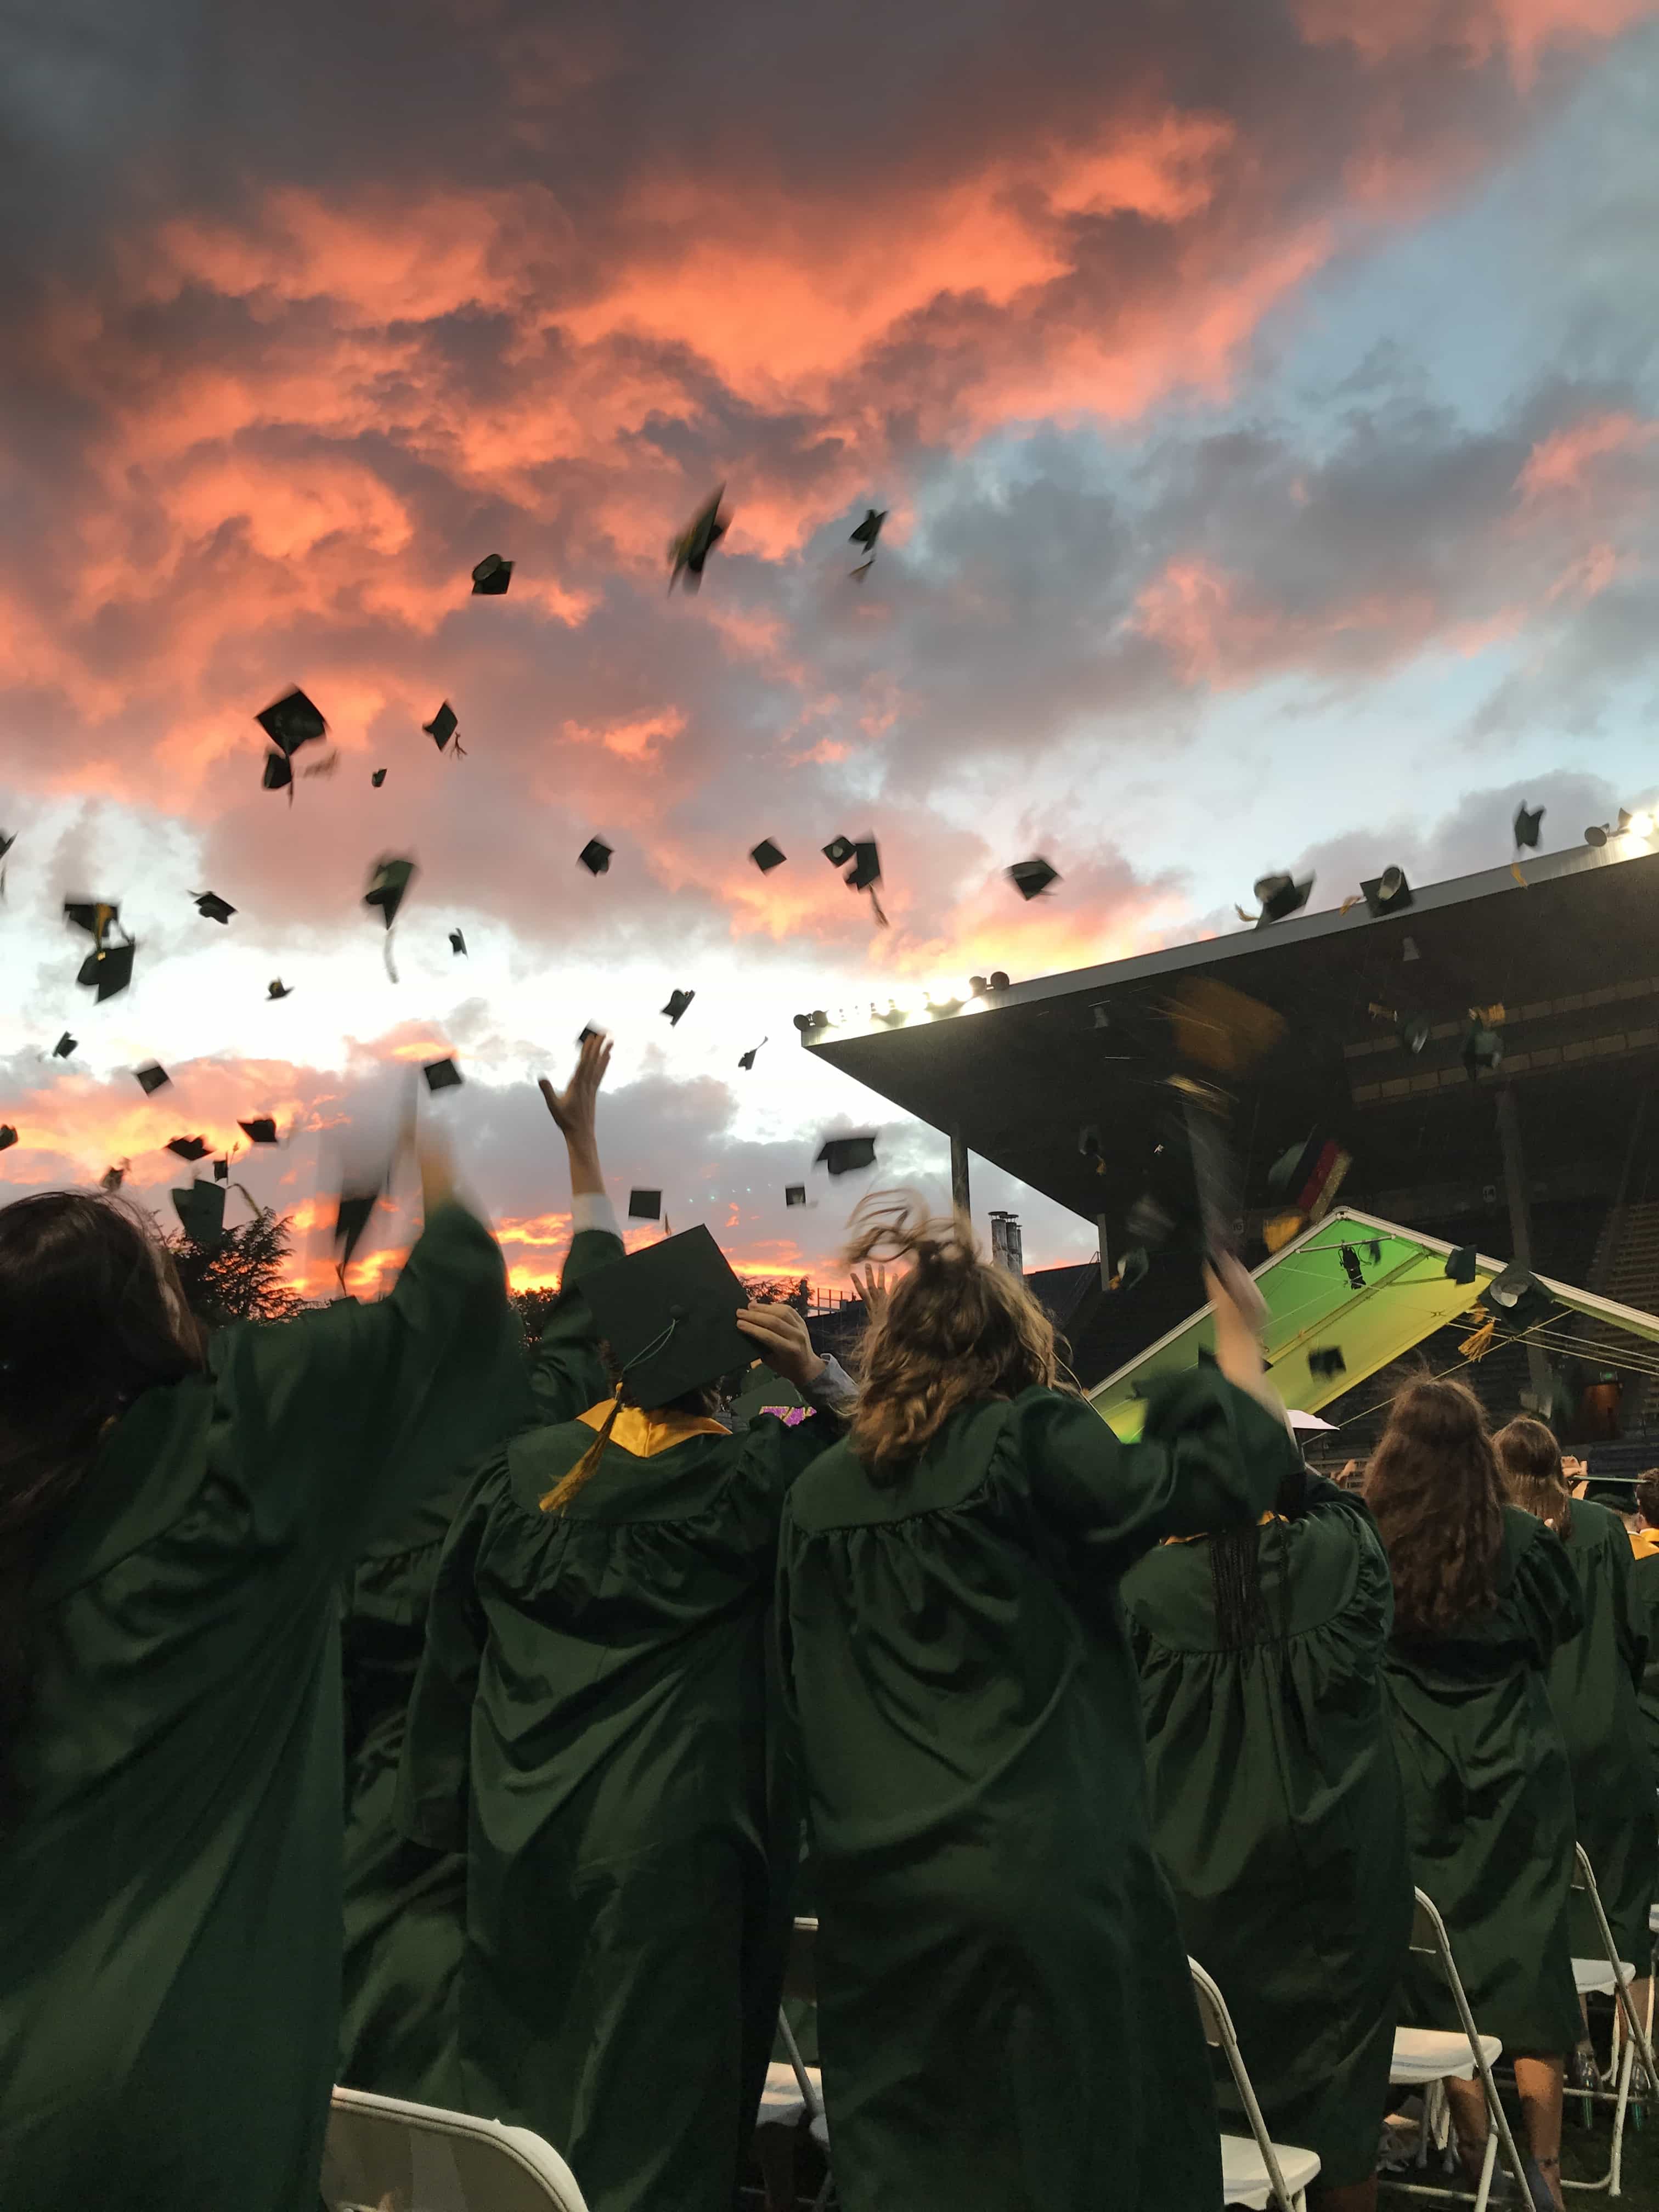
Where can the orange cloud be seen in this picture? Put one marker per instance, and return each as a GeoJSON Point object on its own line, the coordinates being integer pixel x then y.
{"type": "Point", "coordinates": [1563, 461]}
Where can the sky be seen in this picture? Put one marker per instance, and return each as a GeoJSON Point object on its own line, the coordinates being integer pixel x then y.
{"type": "Point", "coordinates": [1264, 403]}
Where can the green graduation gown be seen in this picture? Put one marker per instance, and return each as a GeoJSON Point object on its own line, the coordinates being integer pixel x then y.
{"type": "Point", "coordinates": [1278, 1816]}
{"type": "Point", "coordinates": [590, 1722]}
{"type": "Point", "coordinates": [1593, 1687]}
{"type": "Point", "coordinates": [1644, 1596]}
{"type": "Point", "coordinates": [1005, 2013]}
{"type": "Point", "coordinates": [405, 1906]}
{"type": "Point", "coordinates": [170, 1904]}
{"type": "Point", "coordinates": [1489, 1799]}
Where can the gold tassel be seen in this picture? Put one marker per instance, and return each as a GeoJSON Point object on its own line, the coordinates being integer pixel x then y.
{"type": "Point", "coordinates": [587, 1466]}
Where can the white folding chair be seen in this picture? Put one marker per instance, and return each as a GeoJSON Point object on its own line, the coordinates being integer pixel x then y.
{"type": "Point", "coordinates": [794, 2090]}
{"type": "Point", "coordinates": [383, 2155]}
{"type": "Point", "coordinates": [1258, 2172]}
{"type": "Point", "coordinates": [1609, 1975]}
{"type": "Point", "coordinates": [1427, 2058]}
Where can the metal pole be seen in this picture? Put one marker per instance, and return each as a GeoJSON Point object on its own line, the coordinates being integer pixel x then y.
{"type": "Point", "coordinates": [959, 1198]}
{"type": "Point", "coordinates": [1514, 1190]}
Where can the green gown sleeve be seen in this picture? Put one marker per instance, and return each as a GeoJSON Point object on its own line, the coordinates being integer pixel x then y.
{"type": "Point", "coordinates": [1630, 1626]}
{"type": "Point", "coordinates": [1547, 1598]}
{"type": "Point", "coordinates": [431, 1802]}
{"type": "Point", "coordinates": [566, 1375]}
{"type": "Point", "coordinates": [1210, 1455]}
{"type": "Point", "coordinates": [344, 1415]}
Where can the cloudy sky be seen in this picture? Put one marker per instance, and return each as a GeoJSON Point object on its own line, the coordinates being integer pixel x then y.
{"type": "Point", "coordinates": [1265, 401]}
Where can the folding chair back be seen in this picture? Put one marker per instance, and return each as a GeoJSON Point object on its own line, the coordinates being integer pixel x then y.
{"type": "Point", "coordinates": [1429, 1939]}
{"type": "Point", "coordinates": [800, 1978]}
{"type": "Point", "coordinates": [1218, 2033]}
{"type": "Point", "coordinates": [1612, 1976]}
{"type": "Point", "coordinates": [384, 2156]}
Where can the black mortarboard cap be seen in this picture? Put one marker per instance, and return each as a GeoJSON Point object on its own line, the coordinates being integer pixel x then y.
{"type": "Point", "coordinates": [261, 1130]}
{"type": "Point", "coordinates": [794, 1193]}
{"type": "Point", "coordinates": [1326, 1360]}
{"type": "Point", "coordinates": [279, 774]}
{"type": "Point", "coordinates": [1281, 895]}
{"type": "Point", "coordinates": [189, 1148]}
{"type": "Point", "coordinates": [201, 1211]}
{"type": "Point", "coordinates": [278, 989]}
{"type": "Point", "coordinates": [8, 1136]}
{"type": "Point", "coordinates": [1462, 1264]}
{"type": "Point", "coordinates": [693, 545]}
{"type": "Point", "coordinates": [678, 1002]}
{"type": "Point", "coordinates": [842, 1155]}
{"type": "Point", "coordinates": [492, 576]}
{"type": "Point", "coordinates": [747, 1059]}
{"type": "Point", "coordinates": [350, 1220]}
{"type": "Point", "coordinates": [766, 855]}
{"type": "Point", "coordinates": [839, 850]}
{"type": "Point", "coordinates": [457, 942]}
{"type": "Point", "coordinates": [869, 529]}
{"type": "Point", "coordinates": [1389, 893]}
{"type": "Point", "coordinates": [221, 1170]}
{"type": "Point", "coordinates": [443, 725]}
{"type": "Point", "coordinates": [65, 1045]}
{"type": "Point", "coordinates": [595, 856]}
{"type": "Point", "coordinates": [1132, 1268]}
{"type": "Point", "coordinates": [108, 970]}
{"type": "Point", "coordinates": [589, 1030]}
{"type": "Point", "coordinates": [152, 1079]}
{"type": "Point", "coordinates": [1030, 876]}
{"type": "Point", "coordinates": [1527, 821]}
{"type": "Point", "coordinates": [212, 908]}
{"type": "Point", "coordinates": [645, 1205]}
{"type": "Point", "coordinates": [377, 778]}
{"type": "Point", "coordinates": [866, 870]}
{"type": "Point", "coordinates": [670, 1315]}
{"type": "Point", "coordinates": [292, 721]}
{"type": "Point", "coordinates": [391, 879]}
{"type": "Point", "coordinates": [93, 915]}
{"type": "Point", "coordinates": [111, 1179]}
{"type": "Point", "coordinates": [442, 1075]}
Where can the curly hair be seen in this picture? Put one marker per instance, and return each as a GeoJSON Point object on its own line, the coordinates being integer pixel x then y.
{"type": "Point", "coordinates": [1529, 1462]}
{"type": "Point", "coordinates": [1433, 1485]}
{"type": "Point", "coordinates": [954, 1330]}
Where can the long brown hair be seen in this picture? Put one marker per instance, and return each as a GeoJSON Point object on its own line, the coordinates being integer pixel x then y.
{"type": "Point", "coordinates": [955, 1329]}
{"type": "Point", "coordinates": [1433, 1485]}
{"type": "Point", "coordinates": [1529, 1463]}
{"type": "Point", "coordinates": [91, 1315]}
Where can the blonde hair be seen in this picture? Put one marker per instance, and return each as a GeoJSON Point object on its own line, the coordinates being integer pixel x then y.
{"type": "Point", "coordinates": [954, 1330]}
{"type": "Point", "coordinates": [1530, 1461]}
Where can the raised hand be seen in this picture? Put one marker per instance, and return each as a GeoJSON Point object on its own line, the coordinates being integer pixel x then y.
{"type": "Point", "coordinates": [781, 1336]}
{"type": "Point", "coordinates": [573, 1108]}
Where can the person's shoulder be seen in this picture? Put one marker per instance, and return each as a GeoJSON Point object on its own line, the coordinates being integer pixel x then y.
{"type": "Point", "coordinates": [1593, 1523]}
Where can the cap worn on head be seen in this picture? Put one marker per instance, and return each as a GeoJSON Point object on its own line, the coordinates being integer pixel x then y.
{"type": "Point", "coordinates": [152, 1079]}
{"type": "Point", "coordinates": [595, 856]}
{"type": "Point", "coordinates": [669, 1314]}
{"type": "Point", "coordinates": [278, 989]}
{"type": "Point", "coordinates": [387, 885]}
{"type": "Point", "coordinates": [794, 1193]}
{"type": "Point", "coordinates": [1032, 878]}
{"type": "Point", "coordinates": [65, 1045]}
{"type": "Point", "coordinates": [678, 1002]}
{"type": "Point", "coordinates": [377, 778]}
{"type": "Point", "coordinates": [842, 1155]}
{"type": "Point", "coordinates": [491, 577]}
{"type": "Point", "coordinates": [201, 1211]}
{"type": "Point", "coordinates": [442, 1075]}
{"type": "Point", "coordinates": [457, 942]}
{"type": "Point", "coordinates": [442, 726]}
{"type": "Point", "coordinates": [645, 1205]}
{"type": "Point", "coordinates": [261, 1130]}
{"type": "Point", "coordinates": [767, 856]}
{"type": "Point", "coordinates": [292, 721]}
{"type": "Point", "coordinates": [189, 1148]}
{"type": "Point", "coordinates": [212, 908]}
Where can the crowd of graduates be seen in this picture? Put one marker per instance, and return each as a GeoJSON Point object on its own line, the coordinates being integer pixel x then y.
{"type": "Point", "coordinates": [599, 1690]}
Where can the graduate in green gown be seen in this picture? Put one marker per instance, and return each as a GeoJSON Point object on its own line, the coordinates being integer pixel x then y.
{"type": "Point", "coordinates": [1005, 2015]}
{"type": "Point", "coordinates": [1485, 1595]}
{"type": "Point", "coordinates": [1645, 1589]}
{"type": "Point", "coordinates": [1277, 1811]}
{"type": "Point", "coordinates": [406, 1905]}
{"type": "Point", "coordinates": [175, 1527]}
{"type": "Point", "coordinates": [590, 1723]}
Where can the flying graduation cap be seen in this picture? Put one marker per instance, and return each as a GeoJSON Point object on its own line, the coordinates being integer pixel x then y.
{"type": "Point", "coordinates": [7, 839]}
{"type": "Point", "coordinates": [278, 989]}
{"type": "Point", "coordinates": [261, 1130]}
{"type": "Point", "coordinates": [201, 1211]}
{"type": "Point", "coordinates": [794, 1193]}
{"type": "Point", "coordinates": [388, 882]}
{"type": "Point", "coordinates": [1326, 1360]}
{"type": "Point", "coordinates": [767, 856]}
{"type": "Point", "coordinates": [221, 1170]}
{"type": "Point", "coordinates": [443, 727]}
{"type": "Point", "coordinates": [152, 1079]}
{"type": "Point", "coordinates": [1279, 896]}
{"type": "Point", "coordinates": [442, 1075]}
{"type": "Point", "coordinates": [189, 1148]}
{"type": "Point", "coordinates": [108, 970]}
{"type": "Point", "coordinates": [458, 943]}
{"type": "Point", "coordinates": [65, 1045]}
{"type": "Point", "coordinates": [864, 873]}
{"type": "Point", "coordinates": [678, 1002]}
{"type": "Point", "coordinates": [377, 778]}
{"type": "Point", "coordinates": [8, 1136]}
{"type": "Point", "coordinates": [211, 907]}
{"type": "Point", "coordinates": [292, 721]}
{"type": "Point", "coordinates": [111, 1179]}
{"type": "Point", "coordinates": [866, 535]}
{"type": "Point", "coordinates": [747, 1059]}
{"type": "Point", "coordinates": [1389, 893]}
{"type": "Point", "coordinates": [1527, 821]}
{"type": "Point", "coordinates": [645, 1205]}
{"type": "Point", "coordinates": [689, 551]}
{"type": "Point", "coordinates": [595, 856]}
{"type": "Point", "coordinates": [843, 1155]}
{"type": "Point", "coordinates": [279, 774]}
{"type": "Point", "coordinates": [1032, 878]}
{"type": "Point", "coordinates": [491, 577]}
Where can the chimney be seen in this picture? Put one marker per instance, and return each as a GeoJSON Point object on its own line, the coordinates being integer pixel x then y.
{"type": "Point", "coordinates": [1006, 1250]}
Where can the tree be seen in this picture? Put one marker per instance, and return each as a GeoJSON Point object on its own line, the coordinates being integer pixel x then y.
{"type": "Point", "coordinates": [241, 1279]}
{"type": "Point", "coordinates": [533, 1309]}
{"type": "Point", "coordinates": [778, 1291]}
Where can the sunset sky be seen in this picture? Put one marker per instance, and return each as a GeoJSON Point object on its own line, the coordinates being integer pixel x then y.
{"type": "Point", "coordinates": [1265, 399]}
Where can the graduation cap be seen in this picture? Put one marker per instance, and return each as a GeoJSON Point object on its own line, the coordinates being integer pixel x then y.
{"type": "Point", "coordinates": [589, 1030]}
{"type": "Point", "coordinates": [865, 871]}
{"type": "Point", "coordinates": [595, 856]}
{"type": "Point", "coordinates": [1280, 896]}
{"type": "Point", "coordinates": [645, 1205]}
{"type": "Point", "coordinates": [279, 774]}
{"type": "Point", "coordinates": [839, 850]}
{"type": "Point", "coordinates": [95, 916]}
{"type": "Point", "coordinates": [442, 1075]}
{"type": "Point", "coordinates": [351, 1218]}
{"type": "Point", "coordinates": [747, 1059]}
{"type": "Point", "coordinates": [387, 885]}
{"type": "Point", "coordinates": [1389, 893]}
{"type": "Point", "coordinates": [1131, 1268]}
{"type": "Point", "coordinates": [201, 1211]}
{"type": "Point", "coordinates": [212, 908]}
{"type": "Point", "coordinates": [65, 1045]}
{"type": "Point", "coordinates": [1527, 821]}
{"type": "Point", "coordinates": [767, 856]}
{"type": "Point", "coordinates": [456, 943]}
{"type": "Point", "coordinates": [842, 1155]}
{"type": "Point", "coordinates": [669, 1314]}
{"type": "Point", "coordinates": [377, 778]}
{"type": "Point", "coordinates": [794, 1193]}
{"type": "Point", "coordinates": [108, 970]}
{"type": "Point", "coordinates": [678, 1002]}
{"type": "Point", "coordinates": [261, 1130]}
{"type": "Point", "coordinates": [1519, 1295]}
{"type": "Point", "coordinates": [443, 727]}
{"type": "Point", "coordinates": [693, 544]}
{"type": "Point", "coordinates": [8, 1136]}
{"type": "Point", "coordinates": [869, 529]}
{"type": "Point", "coordinates": [152, 1079]}
{"type": "Point", "coordinates": [1029, 878]}
{"type": "Point", "coordinates": [491, 577]}
{"type": "Point", "coordinates": [278, 989]}
{"type": "Point", "coordinates": [1461, 1264]}
{"type": "Point", "coordinates": [189, 1148]}
{"type": "Point", "coordinates": [292, 721]}
{"type": "Point", "coordinates": [1325, 1360]}
{"type": "Point", "coordinates": [111, 1179]}
{"type": "Point", "coordinates": [221, 1170]}
{"type": "Point", "coordinates": [1308, 1177]}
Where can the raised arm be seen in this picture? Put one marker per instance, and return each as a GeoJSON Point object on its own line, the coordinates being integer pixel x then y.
{"type": "Point", "coordinates": [566, 1375]}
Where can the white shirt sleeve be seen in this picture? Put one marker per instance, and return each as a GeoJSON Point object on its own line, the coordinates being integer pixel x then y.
{"type": "Point", "coordinates": [835, 1390]}
{"type": "Point", "coordinates": [591, 1209]}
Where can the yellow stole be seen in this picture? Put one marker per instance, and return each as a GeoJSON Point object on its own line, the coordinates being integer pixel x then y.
{"type": "Point", "coordinates": [644, 1435]}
